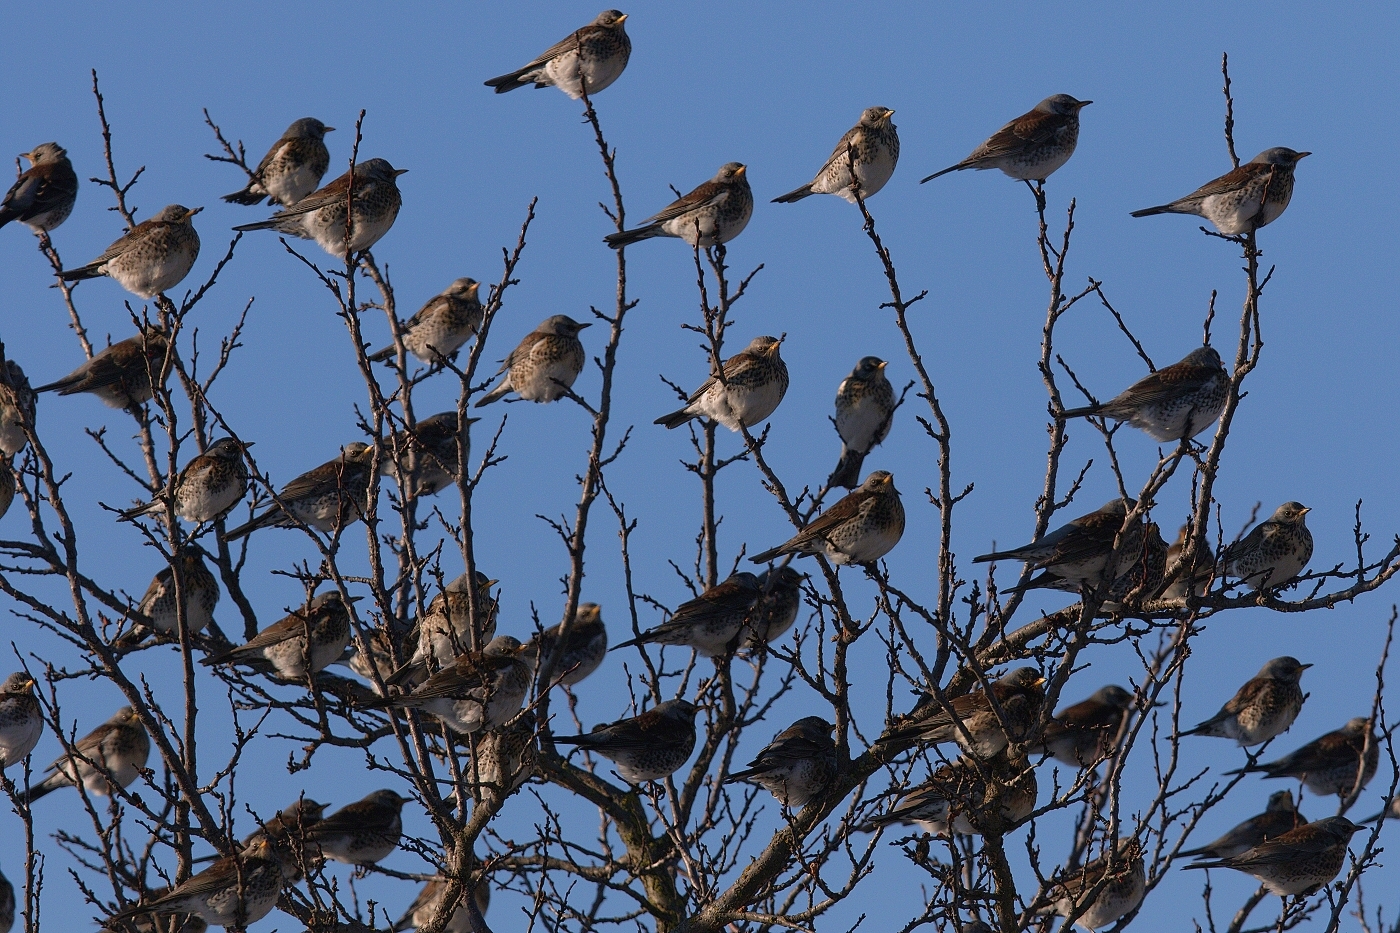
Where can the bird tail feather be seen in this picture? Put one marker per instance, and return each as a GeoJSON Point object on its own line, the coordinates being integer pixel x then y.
{"type": "Point", "coordinates": [246, 196]}
{"type": "Point", "coordinates": [796, 194]}
{"type": "Point", "coordinates": [847, 472]}
{"type": "Point", "coordinates": [628, 237]}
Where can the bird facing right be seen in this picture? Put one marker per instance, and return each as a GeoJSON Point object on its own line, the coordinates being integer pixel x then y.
{"type": "Point", "coordinates": [581, 651]}
{"type": "Point", "coordinates": [797, 765]}
{"type": "Point", "coordinates": [236, 891]}
{"type": "Point", "coordinates": [647, 747]}
{"type": "Point", "coordinates": [21, 721]}
{"type": "Point", "coordinates": [1085, 733]}
{"type": "Point", "coordinates": [152, 257]}
{"type": "Point", "coordinates": [1279, 816]}
{"type": "Point", "coordinates": [865, 406]}
{"type": "Point", "coordinates": [712, 214]}
{"type": "Point", "coordinates": [43, 195]}
{"type": "Point", "coordinates": [438, 329]}
{"type": "Point", "coordinates": [545, 364]}
{"type": "Point", "coordinates": [292, 168]}
{"type": "Point", "coordinates": [861, 528]}
{"type": "Point", "coordinates": [112, 754]}
{"type": "Point", "coordinates": [328, 497]}
{"type": "Point", "coordinates": [363, 832]}
{"type": "Point", "coordinates": [1298, 862]}
{"type": "Point", "coordinates": [17, 408]}
{"type": "Point", "coordinates": [320, 216]}
{"type": "Point", "coordinates": [712, 622]}
{"type": "Point", "coordinates": [1175, 403]}
{"type": "Point", "coordinates": [587, 59]}
{"type": "Point", "coordinates": [306, 642]}
{"type": "Point", "coordinates": [1032, 146]}
{"type": "Point", "coordinates": [1244, 199]}
{"type": "Point", "coordinates": [972, 720]}
{"type": "Point", "coordinates": [872, 145]}
{"type": "Point", "coordinates": [1332, 764]}
{"type": "Point", "coordinates": [755, 381]}
{"type": "Point", "coordinates": [479, 690]}
{"type": "Point", "coordinates": [1275, 551]}
{"type": "Point", "coordinates": [121, 374]}
{"type": "Point", "coordinates": [1264, 707]}
{"type": "Point", "coordinates": [1104, 889]}
{"type": "Point", "coordinates": [1079, 551]}
{"type": "Point", "coordinates": [208, 486]}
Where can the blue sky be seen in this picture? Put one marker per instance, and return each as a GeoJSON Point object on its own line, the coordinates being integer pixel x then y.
{"type": "Point", "coordinates": [773, 87]}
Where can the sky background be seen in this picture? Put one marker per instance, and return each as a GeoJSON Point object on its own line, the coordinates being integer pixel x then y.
{"type": "Point", "coordinates": [773, 87]}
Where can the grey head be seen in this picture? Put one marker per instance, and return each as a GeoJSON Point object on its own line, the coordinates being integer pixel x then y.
{"type": "Point", "coordinates": [458, 584]}
{"type": "Point", "coordinates": [731, 172]}
{"type": "Point", "coordinates": [502, 646]}
{"type": "Point", "coordinates": [1355, 726]}
{"type": "Point", "coordinates": [1062, 104]}
{"type": "Point", "coordinates": [561, 325]}
{"type": "Point", "coordinates": [465, 287]}
{"type": "Point", "coordinates": [386, 798]}
{"type": "Point", "coordinates": [767, 346]}
{"type": "Point", "coordinates": [1281, 801]}
{"type": "Point", "coordinates": [18, 682]}
{"type": "Point", "coordinates": [1204, 356]}
{"type": "Point", "coordinates": [780, 577]}
{"type": "Point", "coordinates": [176, 213]}
{"type": "Point", "coordinates": [45, 152]}
{"type": "Point", "coordinates": [1284, 668]}
{"type": "Point", "coordinates": [678, 710]}
{"type": "Point", "coordinates": [377, 170]}
{"type": "Point", "coordinates": [610, 19]}
{"type": "Point", "coordinates": [869, 367]}
{"type": "Point", "coordinates": [1022, 677]}
{"type": "Point", "coordinates": [874, 116]}
{"type": "Point", "coordinates": [813, 726]}
{"type": "Point", "coordinates": [307, 128]}
{"type": "Point", "coordinates": [1117, 506]}
{"type": "Point", "coordinates": [225, 448]}
{"type": "Point", "coordinates": [1114, 696]}
{"type": "Point", "coordinates": [1338, 826]}
{"type": "Point", "coordinates": [1290, 513]}
{"type": "Point", "coordinates": [1279, 155]}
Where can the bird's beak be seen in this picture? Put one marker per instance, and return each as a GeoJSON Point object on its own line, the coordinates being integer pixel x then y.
{"type": "Point", "coordinates": [1306, 510]}
{"type": "Point", "coordinates": [355, 599]}
{"type": "Point", "coordinates": [889, 480]}
{"type": "Point", "coordinates": [1084, 103]}
{"type": "Point", "coordinates": [1303, 667]}
{"type": "Point", "coordinates": [741, 170]}
{"type": "Point", "coordinates": [1302, 155]}
{"type": "Point", "coordinates": [883, 364]}
{"type": "Point", "coordinates": [474, 287]}
{"type": "Point", "coordinates": [399, 171]}
{"type": "Point", "coordinates": [330, 129]}
{"type": "Point", "coordinates": [623, 18]}
{"type": "Point", "coordinates": [247, 444]}
{"type": "Point", "coordinates": [585, 324]}
{"type": "Point", "coordinates": [489, 583]}
{"type": "Point", "coordinates": [29, 685]}
{"type": "Point", "coordinates": [192, 212]}
{"type": "Point", "coordinates": [1039, 682]}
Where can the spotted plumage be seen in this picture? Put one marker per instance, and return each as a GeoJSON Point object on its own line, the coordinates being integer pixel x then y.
{"type": "Point", "coordinates": [865, 406]}
{"type": "Point", "coordinates": [306, 642]}
{"type": "Point", "coordinates": [861, 528]}
{"type": "Point", "coordinates": [545, 364]}
{"type": "Point", "coordinates": [201, 591]}
{"type": "Point", "coordinates": [714, 213]}
{"type": "Point", "coordinates": [710, 623]}
{"type": "Point", "coordinates": [776, 609]}
{"type": "Point", "coordinates": [287, 831]}
{"type": "Point", "coordinates": [1175, 403]}
{"type": "Point", "coordinates": [43, 195]}
{"type": "Point", "coordinates": [1274, 552]}
{"type": "Point", "coordinates": [292, 168]}
{"type": "Point", "coordinates": [17, 408]}
{"type": "Point", "coordinates": [797, 765]}
{"type": "Point", "coordinates": [1032, 146]}
{"type": "Point", "coordinates": [21, 720]}
{"type": "Point", "coordinates": [208, 486]}
{"type": "Point", "coordinates": [1279, 816]}
{"type": "Point", "coordinates": [477, 691]}
{"type": "Point", "coordinates": [1297, 863]}
{"type": "Point", "coordinates": [445, 631]}
{"type": "Point", "coordinates": [1085, 733]}
{"type": "Point", "coordinates": [1264, 707]}
{"type": "Point", "coordinates": [1328, 765]}
{"type": "Point", "coordinates": [236, 891]}
{"type": "Point", "coordinates": [320, 216]}
{"type": "Point", "coordinates": [873, 145]}
{"type": "Point", "coordinates": [581, 651]}
{"type": "Point", "coordinates": [1102, 890]}
{"type": "Point", "coordinates": [1079, 551]}
{"type": "Point", "coordinates": [1244, 199]}
{"type": "Point", "coordinates": [589, 58]}
{"type": "Point", "coordinates": [121, 375]}
{"type": "Point", "coordinates": [957, 798]}
{"type": "Point", "coordinates": [1186, 574]}
{"type": "Point", "coordinates": [327, 498]}
{"type": "Point", "coordinates": [112, 754]}
{"type": "Point", "coordinates": [647, 747]}
{"type": "Point", "coordinates": [506, 757]}
{"type": "Point", "coordinates": [152, 257]}
{"type": "Point", "coordinates": [971, 720]}
{"type": "Point", "coordinates": [428, 454]}
{"type": "Point", "coordinates": [439, 328]}
{"type": "Point", "coordinates": [755, 382]}
{"type": "Point", "coordinates": [363, 832]}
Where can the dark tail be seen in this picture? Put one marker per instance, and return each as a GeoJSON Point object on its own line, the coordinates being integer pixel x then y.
{"type": "Point", "coordinates": [796, 194]}
{"type": "Point", "coordinates": [7, 215]}
{"type": "Point", "coordinates": [1218, 863]}
{"type": "Point", "coordinates": [995, 555]}
{"type": "Point", "coordinates": [510, 82]}
{"type": "Point", "coordinates": [494, 394]}
{"type": "Point", "coordinates": [1370, 819]}
{"type": "Point", "coordinates": [58, 386]}
{"type": "Point", "coordinates": [243, 530]}
{"type": "Point", "coordinates": [246, 196]}
{"type": "Point", "coordinates": [45, 787]}
{"type": "Point", "coordinates": [767, 555]}
{"type": "Point", "coordinates": [379, 356]}
{"type": "Point", "coordinates": [739, 776]}
{"type": "Point", "coordinates": [398, 677]}
{"type": "Point", "coordinates": [631, 642]}
{"type": "Point", "coordinates": [847, 472]}
{"type": "Point", "coordinates": [134, 513]}
{"type": "Point", "coordinates": [1084, 412]}
{"type": "Point", "coordinates": [951, 168]}
{"type": "Point", "coordinates": [628, 237]}
{"type": "Point", "coordinates": [580, 740]}
{"type": "Point", "coordinates": [269, 224]}
{"type": "Point", "coordinates": [1148, 212]}
{"type": "Point", "coordinates": [675, 419]}
{"type": "Point", "coordinates": [77, 275]}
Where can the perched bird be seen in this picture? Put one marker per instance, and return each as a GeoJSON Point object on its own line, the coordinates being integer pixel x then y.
{"type": "Point", "coordinates": [543, 368]}
{"type": "Point", "coordinates": [109, 757]}
{"type": "Point", "coordinates": [320, 216]}
{"type": "Point", "coordinates": [1138, 576]}
{"type": "Point", "coordinates": [428, 453]}
{"type": "Point", "coordinates": [714, 213]}
{"type": "Point", "coordinates": [152, 257]}
{"type": "Point", "coordinates": [208, 486]}
{"type": "Point", "coordinates": [797, 765]}
{"type": "Point", "coordinates": [1264, 707]}
{"type": "Point", "coordinates": [1079, 551]}
{"type": "Point", "coordinates": [43, 195]}
{"type": "Point", "coordinates": [153, 923]}
{"type": "Point", "coordinates": [1032, 146]}
{"type": "Point", "coordinates": [712, 622]}
{"type": "Point", "coordinates": [236, 891]}
{"type": "Point", "coordinates": [755, 381]}
{"type": "Point", "coordinates": [958, 799]}
{"type": "Point", "coordinates": [1275, 551]}
{"type": "Point", "coordinates": [1119, 878]}
{"type": "Point", "coordinates": [292, 168]}
{"type": "Point", "coordinates": [327, 498]}
{"type": "Point", "coordinates": [860, 529]}
{"type": "Point", "coordinates": [121, 375]}
{"type": "Point", "coordinates": [872, 144]}
{"type": "Point", "coordinates": [1279, 816]}
{"type": "Point", "coordinates": [425, 907]}
{"type": "Point", "coordinates": [1175, 403]}
{"type": "Point", "coordinates": [445, 631]}
{"type": "Point", "coordinates": [363, 832]}
{"type": "Point", "coordinates": [7, 485]}
{"type": "Point", "coordinates": [379, 657]}
{"type": "Point", "coordinates": [776, 610]}
{"type": "Point", "coordinates": [1329, 764]}
{"type": "Point", "coordinates": [1297, 863]}
{"type": "Point", "coordinates": [647, 747]}
{"type": "Point", "coordinates": [580, 653]}
{"type": "Point", "coordinates": [1085, 733]}
{"type": "Point", "coordinates": [439, 328]}
{"type": "Point", "coordinates": [201, 592]}
{"type": "Point", "coordinates": [7, 904]}
{"type": "Point", "coordinates": [1244, 199]}
{"type": "Point", "coordinates": [506, 757]}
{"type": "Point", "coordinates": [287, 831]}
{"type": "Point", "coordinates": [306, 642]}
{"type": "Point", "coordinates": [971, 719]}
{"type": "Point", "coordinates": [478, 691]}
{"type": "Point", "coordinates": [1186, 576]}
{"type": "Point", "coordinates": [17, 408]}
{"type": "Point", "coordinates": [1391, 811]}
{"type": "Point", "coordinates": [865, 405]}
{"type": "Point", "coordinates": [588, 59]}
{"type": "Point", "coordinates": [21, 722]}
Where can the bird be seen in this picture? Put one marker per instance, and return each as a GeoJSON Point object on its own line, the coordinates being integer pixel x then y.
{"type": "Point", "coordinates": [1032, 146]}
{"type": "Point", "coordinates": [425, 907]}
{"type": "Point", "coordinates": [712, 622]}
{"type": "Point", "coordinates": [7, 485]}
{"type": "Point", "coordinates": [288, 833]}
{"type": "Point", "coordinates": [1138, 573]}
{"type": "Point", "coordinates": [958, 798]}
{"type": "Point", "coordinates": [506, 757]}
{"type": "Point", "coordinates": [776, 609]}
{"type": "Point", "coordinates": [1264, 707]}
{"type": "Point", "coordinates": [479, 690]}
{"type": "Point", "coordinates": [588, 59]}
{"type": "Point", "coordinates": [21, 720]}
{"type": "Point", "coordinates": [121, 375]}
{"type": "Point", "coordinates": [17, 408]}
{"type": "Point", "coordinates": [320, 216]}
{"type": "Point", "coordinates": [327, 498]}
{"type": "Point", "coordinates": [363, 832]}
{"type": "Point", "coordinates": [860, 529]}
{"type": "Point", "coordinates": [1298, 862]}
{"type": "Point", "coordinates": [236, 891]}
{"type": "Point", "coordinates": [1084, 734]}
{"type": "Point", "coordinates": [445, 631]}
{"type": "Point", "coordinates": [1279, 816]}
{"type": "Point", "coordinates": [1330, 763]}
{"type": "Point", "coordinates": [439, 328]}
{"type": "Point", "coordinates": [151, 923]}
{"type": "Point", "coordinates": [43, 195]}
{"type": "Point", "coordinates": [580, 653]}
{"type": "Point", "coordinates": [1103, 890]}
{"type": "Point", "coordinates": [755, 381]}
{"type": "Point", "coordinates": [971, 719]}
{"type": "Point", "coordinates": [208, 486]}
{"type": "Point", "coordinates": [1244, 199]}
{"type": "Point", "coordinates": [797, 766]}
{"type": "Point", "coordinates": [151, 258]}
{"type": "Point", "coordinates": [872, 145]}
{"type": "Point", "coordinates": [7, 904]}
{"type": "Point", "coordinates": [200, 589]}
{"type": "Point", "coordinates": [545, 364]}
{"type": "Point", "coordinates": [1274, 552]}
{"type": "Point", "coordinates": [865, 406]}
{"type": "Point", "coordinates": [647, 747]}
{"type": "Point", "coordinates": [292, 168]}
{"type": "Point", "coordinates": [427, 453]}
{"type": "Point", "coordinates": [712, 214]}
{"type": "Point", "coordinates": [107, 758]}
{"type": "Point", "coordinates": [1079, 551]}
{"type": "Point", "coordinates": [305, 642]}
{"type": "Point", "coordinates": [1175, 403]}
{"type": "Point", "coordinates": [1186, 577]}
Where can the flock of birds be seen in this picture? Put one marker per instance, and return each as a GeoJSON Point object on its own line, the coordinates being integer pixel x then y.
{"type": "Point", "coordinates": [992, 788]}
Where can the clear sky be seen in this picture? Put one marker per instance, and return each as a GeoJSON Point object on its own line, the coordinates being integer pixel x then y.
{"type": "Point", "coordinates": [774, 87]}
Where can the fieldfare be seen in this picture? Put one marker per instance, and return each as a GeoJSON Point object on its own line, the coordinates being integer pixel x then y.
{"type": "Point", "coordinates": [112, 754]}
{"type": "Point", "coordinates": [330, 497]}
{"type": "Point", "coordinates": [1175, 403]}
{"type": "Point", "coordinates": [581, 652]}
{"type": "Point", "coordinates": [714, 213]}
{"type": "Point", "coordinates": [1264, 707]}
{"type": "Point", "coordinates": [236, 891]}
{"type": "Point", "coordinates": [292, 168]}
{"type": "Point", "coordinates": [862, 528]}
{"type": "Point", "coordinates": [121, 375]}
{"type": "Point", "coordinates": [428, 453]}
{"type": "Point", "coordinates": [1328, 765]}
{"type": "Point", "coordinates": [1139, 573]}
{"type": "Point", "coordinates": [1275, 551]}
{"type": "Point", "coordinates": [1297, 863]}
{"type": "Point", "coordinates": [480, 690]}
{"type": "Point", "coordinates": [439, 328]}
{"type": "Point", "coordinates": [865, 405]}
{"type": "Point", "coordinates": [7, 486]}
{"type": "Point", "coordinates": [712, 622]}
{"type": "Point", "coordinates": [287, 831]}
{"type": "Point", "coordinates": [1032, 146]}
{"type": "Point", "coordinates": [590, 58]}
{"type": "Point", "coordinates": [1279, 816]}
{"type": "Point", "coordinates": [545, 364]}
{"type": "Point", "coordinates": [959, 799]}
{"type": "Point", "coordinates": [320, 216]}
{"type": "Point", "coordinates": [445, 631]}
{"type": "Point", "coordinates": [797, 765]}
{"type": "Point", "coordinates": [1102, 890]}
{"type": "Point", "coordinates": [647, 747]}
{"type": "Point", "coordinates": [506, 757]}
{"type": "Point", "coordinates": [1186, 577]}
{"type": "Point", "coordinates": [971, 720]}
{"type": "Point", "coordinates": [1079, 551]}
{"type": "Point", "coordinates": [1242, 200]}
{"type": "Point", "coordinates": [7, 904]}
{"type": "Point", "coordinates": [208, 486]}
{"type": "Point", "coordinates": [17, 408]}
{"type": "Point", "coordinates": [151, 258]}
{"type": "Point", "coordinates": [308, 641]}
{"type": "Point", "coordinates": [21, 722]}
{"type": "Point", "coordinates": [755, 381]}
{"type": "Point", "coordinates": [1086, 733]}
{"type": "Point", "coordinates": [201, 591]}
{"type": "Point", "coordinates": [776, 610]}
{"type": "Point", "coordinates": [363, 832]}
{"type": "Point", "coordinates": [425, 906]}
{"type": "Point", "coordinates": [873, 146]}
{"type": "Point", "coordinates": [43, 195]}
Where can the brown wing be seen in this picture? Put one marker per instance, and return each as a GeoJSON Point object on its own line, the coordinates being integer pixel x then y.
{"type": "Point", "coordinates": [708, 193]}
{"type": "Point", "coordinates": [1236, 178]}
{"type": "Point", "coordinates": [1174, 380]}
{"type": "Point", "coordinates": [848, 508]}
{"type": "Point", "coordinates": [1028, 129]}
